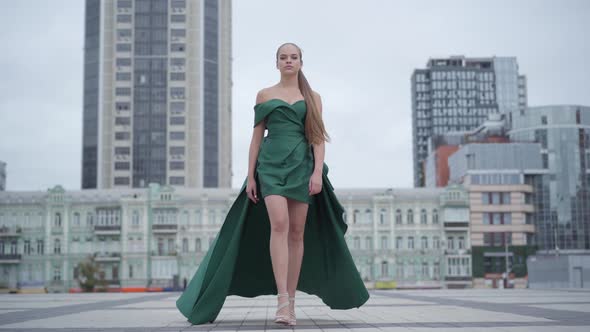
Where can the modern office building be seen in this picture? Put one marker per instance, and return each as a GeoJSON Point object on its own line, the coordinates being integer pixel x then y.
{"type": "Point", "coordinates": [2, 176]}
{"type": "Point", "coordinates": [458, 94]}
{"type": "Point", "coordinates": [563, 190]}
{"type": "Point", "coordinates": [157, 94]}
{"type": "Point", "coordinates": [156, 236]}
{"type": "Point", "coordinates": [502, 211]}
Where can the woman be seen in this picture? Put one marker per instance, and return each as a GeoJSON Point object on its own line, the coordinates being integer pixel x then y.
{"type": "Point", "coordinates": [286, 168]}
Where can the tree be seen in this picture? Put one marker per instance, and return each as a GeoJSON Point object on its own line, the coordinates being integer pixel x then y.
{"type": "Point", "coordinates": [87, 275]}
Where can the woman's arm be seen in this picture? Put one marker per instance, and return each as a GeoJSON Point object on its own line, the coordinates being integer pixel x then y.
{"type": "Point", "coordinates": [257, 136]}
{"type": "Point", "coordinates": [319, 150]}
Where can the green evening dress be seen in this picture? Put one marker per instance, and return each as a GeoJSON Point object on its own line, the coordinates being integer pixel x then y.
{"type": "Point", "coordinates": [238, 261]}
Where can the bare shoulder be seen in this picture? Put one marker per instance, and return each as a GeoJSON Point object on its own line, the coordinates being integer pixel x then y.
{"type": "Point", "coordinates": [264, 94]}
{"type": "Point", "coordinates": [261, 96]}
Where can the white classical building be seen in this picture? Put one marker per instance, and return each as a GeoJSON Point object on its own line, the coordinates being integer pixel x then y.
{"type": "Point", "coordinates": [156, 237]}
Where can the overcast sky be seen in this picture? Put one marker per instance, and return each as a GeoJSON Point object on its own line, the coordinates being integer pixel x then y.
{"type": "Point", "coordinates": [359, 55]}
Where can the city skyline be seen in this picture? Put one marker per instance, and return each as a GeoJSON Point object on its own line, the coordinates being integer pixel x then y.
{"type": "Point", "coordinates": [358, 70]}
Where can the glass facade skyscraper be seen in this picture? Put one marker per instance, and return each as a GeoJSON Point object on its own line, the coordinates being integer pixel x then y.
{"type": "Point", "coordinates": [457, 94]}
{"type": "Point", "coordinates": [561, 195]}
{"type": "Point", "coordinates": [157, 93]}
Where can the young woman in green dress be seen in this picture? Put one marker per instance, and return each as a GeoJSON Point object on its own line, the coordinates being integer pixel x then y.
{"type": "Point", "coordinates": [287, 195]}
{"type": "Point", "coordinates": [286, 204]}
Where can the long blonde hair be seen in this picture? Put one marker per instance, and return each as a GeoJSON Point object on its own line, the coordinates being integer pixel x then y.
{"type": "Point", "coordinates": [315, 131]}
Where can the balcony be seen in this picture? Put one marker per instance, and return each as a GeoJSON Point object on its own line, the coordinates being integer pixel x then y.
{"type": "Point", "coordinates": [457, 251]}
{"type": "Point", "coordinates": [165, 228]}
{"type": "Point", "coordinates": [107, 229]}
{"type": "Point", "coordinates": [57, 230]}
{"type": "Point", "coordinates": [107, 256]}
{"type": "Point", "coordinates": [6, 231]}
{"type": "Point", "coordinates": [164, 253]}
{"type": "Point", "coordinates": [456, 225]}
{"type": "Point", "coordinates": [458, 278]}
{"type": "Point", "coordinates": [10, 258]}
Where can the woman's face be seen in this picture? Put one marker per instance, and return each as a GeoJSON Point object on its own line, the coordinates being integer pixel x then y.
{"type": "Point", "coordinates": [289, 61]}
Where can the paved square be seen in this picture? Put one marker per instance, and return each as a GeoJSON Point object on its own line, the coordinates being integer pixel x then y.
{"type": "Point", "coordinates": [426, 310]}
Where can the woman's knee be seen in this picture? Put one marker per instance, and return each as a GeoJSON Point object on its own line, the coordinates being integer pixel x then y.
{"type": "Point", "coordinates": [296, 233]}
{"type": "Point", "coordinates": [280, 225]}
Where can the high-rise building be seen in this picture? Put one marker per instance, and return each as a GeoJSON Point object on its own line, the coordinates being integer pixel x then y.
{"type": "Point", "coordinates": [457, 94]}
{"type": "Point", "coordinates": [561, 194]}
{"type": "Point", "coordinates": [2, 176]}
{"type": "Point", "coordinates": [157, 93]}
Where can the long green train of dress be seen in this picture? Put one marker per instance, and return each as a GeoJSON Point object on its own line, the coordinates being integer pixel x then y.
{"type": "Point", "coordinates": [238, 261]}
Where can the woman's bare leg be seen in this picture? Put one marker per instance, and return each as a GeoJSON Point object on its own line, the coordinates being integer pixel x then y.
{"type": "Point", "coordinates": [279, 251]}
{"type": "Point", "coordinates": [297, 218]}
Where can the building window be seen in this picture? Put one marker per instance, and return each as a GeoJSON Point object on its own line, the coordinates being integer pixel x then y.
{"type": "Point", "coordinates": [356, 216]}
{"type": "Point", "coordinates": [123, 76]}
{"type": "Point", "coordinates": [135, 218]}
{"type": "Point", "coordinates": [122, 165]}
{"type": "Point", "coordinates": [198, 245]}
{"type": "Point", "coordinates": [40, 247]}
{"type": "Point", "coordinates": [57, 247]}
{"type": "Point", "coordinates": [425, 270]}
{"type": "Point", "coordinates": [177, 33]}
{"type": "Point", "coordinates": [398, 217]}
{"type": "Point", "coordinates": [122, 121]}
{"type": "Point", "coordinates": [56, 274]}
{"type": "Point", "coordinates": [450, 243]}
{"type": "Point", "coordinates": [122, 150]}
{"type": "Point", "coordinates": [177, 180]}
{"type": "Point", "coordinates": [357, 242]}
{"type": "Point", "coordinates": [436, 242]}
{"type": "Point", "coordinates": [423, 217]}
{"type": "Point", "coordinates": [177, 135]}
{"type": "Point", "coordinates": [89, 219]}
{"type": "Point", "coordinates": [177, 93]}
{"type": "Point", "coordinates": [369, 242]}
{"type": "Point", "coordinates": [76, 219]}
{"type": "Point", "coordinates": [399, 242]}
{"type": "Point", "coordinates": [185, 245]}
{"type": "Point", "coordinates": [461, 243]}
{"type": "Point", "coordinates": [122, 136]}
{"type": "Point", "coordinates": [57, 219]}
{"type": "Point", "coordinates": [27, 247]}
{"type": "Point", "coordinates": [177, 47]}
{"type": "Point", "coordinates": [410, 217]}
{"type": "Point", "coordinates": [178, 18]}
{"type": "Point", "coordinates": [122, 180]}
{"type": "Point", "coordinates": [123, 62]}
{"type": "Point", "coordinates": [123, 18]}
{"type": "Point", "coordinates": [424, 242]}
{"type": "Point", "coordinates": [384, 269]}
{"type": "Point", "coordinates": [177, 165]}
{"type": "Point", "coordinates": [436, 271]}
{"type": "Point", "coordinates": [123, 91]}
{"type": "Point", "coordinates": [384, 242]}
{"type": "Point", "coordinates": [123, 47]}
{"type": "Point", "coordinates": [177, 76]}
{"type": "Point", "coordinates": [382, 216]}
{"type": "Point", "coordinates": [435, 216]}
{"type": "Point", "coordinates": [122, 106]}
{"type": "Point", "coordinates": [411, 242]}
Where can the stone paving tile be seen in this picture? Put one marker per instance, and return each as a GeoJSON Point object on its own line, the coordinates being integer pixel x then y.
{"type": "Point", "coordinates": [432, 311]}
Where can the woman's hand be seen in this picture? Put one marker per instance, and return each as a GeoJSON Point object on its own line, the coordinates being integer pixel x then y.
{"type": "Point", "coordinates": [315, 183]}
{"type": "Point", "coordinates": [251, 190]}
